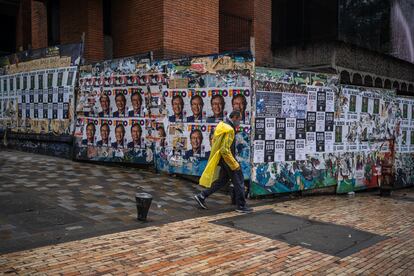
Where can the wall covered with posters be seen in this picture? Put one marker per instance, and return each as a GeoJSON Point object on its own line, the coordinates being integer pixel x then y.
{"type": "Point", "coordinates": [293, 131]}
{"type": "Point", "coordinates": [202, 91]}
{"type": "Point", "coordinates": [117, 104]}
{"type": "Point", "coordinates": [311, 133]}
{"type": "Point", "coordinates": [37, 90]}
{"type": "Point", "coordinates": [131, 110]}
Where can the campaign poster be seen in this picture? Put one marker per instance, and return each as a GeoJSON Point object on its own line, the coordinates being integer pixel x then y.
{"type": "Point", "coordinates": [330, 100]}
{"type": "Point", "coordinates": [311, 142]}
{"type": "Point", "coordinates": [268, 104]}
{"type": "Point", "coordinates": [329, 121]}
{"type": "Point", "coordinates": [320, 141]}
{"type": "Point", "coordinates": [300, 148]}
{"type": "Point", "coordinates": [300, 129]}
{"type": "Point", "coordinates": [320, 121]}
{"type": "Point", "coordinates": [311, 122]}
{"type": "Point", "coordinates": [210, 105]}
{"type": "Point", "coordinates": [270, 131]}
{"type": "Point", "coordinates": [269, 151]}
{"type": "Point", "coordinates": [329, 141]}
{"type": "Point", "coordinates": [280, 150]}
{"type": "Point", "coordinates": [339, 142]}
{"type": "Point", "coordinates": [290, 128]}
{"type": "Point", "coordinates": [259, 151]}
{"type": "Point", "coordinates": [312, 98]}
{"type": "Point", "coordinates": [280, 128]}
{"type": "Point", "coordinates": [260, 130]}
{"type": "Point", "coordinates": [321, 101]}
{"type": "Point", "coordinates": [290, 151]}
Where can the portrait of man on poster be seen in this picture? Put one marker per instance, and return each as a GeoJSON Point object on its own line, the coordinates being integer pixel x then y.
{"type": "Point", "coordinates": [136, 134]}
{"type": "Point", "coordinates": [120, 101]}
{"type": "Point", "coordinates": [104, 131]}
{"type": "Point", "coordinates": [217, 107]}
{"type": "Point", "coordinates": [177, 103]}
{"type": "Point", "coordinates": [119, 137]}
{"type": "Point", "coordinates": [197, 105]}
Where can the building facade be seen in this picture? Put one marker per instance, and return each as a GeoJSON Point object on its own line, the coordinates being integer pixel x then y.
{"type": "Point", "coordinates": [369, 44]}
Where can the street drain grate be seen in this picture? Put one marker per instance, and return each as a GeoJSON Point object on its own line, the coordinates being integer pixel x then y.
{"type": "Point", "coordinates": [332, 239]}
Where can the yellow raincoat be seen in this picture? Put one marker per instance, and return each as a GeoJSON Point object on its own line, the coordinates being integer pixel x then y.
{"type": "Point", "coordinates": [222, 140]}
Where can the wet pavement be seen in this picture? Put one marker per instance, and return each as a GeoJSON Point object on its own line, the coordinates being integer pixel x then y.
{"type": "Point", "coordinates": [46, 200]}
{"type": "Point", "coordinates": [58, 203]}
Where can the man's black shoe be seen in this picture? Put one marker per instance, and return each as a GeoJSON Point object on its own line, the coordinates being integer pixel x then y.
{"type": "Point", "coordinates": [244, 210]}
{"type": "Point", "coordinates": [200, 201]}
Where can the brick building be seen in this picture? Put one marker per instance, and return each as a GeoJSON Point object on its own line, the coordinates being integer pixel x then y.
{"type": "Point", "coordinates": [309, 35]}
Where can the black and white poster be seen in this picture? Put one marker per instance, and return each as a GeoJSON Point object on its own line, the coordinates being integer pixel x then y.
{"type": "Point", "coordinates": [270, 131]}
{"type": "Point", "coordinates": [280, 128]}
{"type": "Point", "coordinates": [320, 141]}
{"type": "Point", "coordinates": [269, 151]}
{"type": "Point", "coordinates": [259, 133]}
{"type": "Point", "coordinates": [290, 150]}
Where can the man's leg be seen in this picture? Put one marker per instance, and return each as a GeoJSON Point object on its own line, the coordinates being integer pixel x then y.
{"type": "Point", "coordinates": [238, 182]}
{"type": "Point", "coordinates": [219, 183]}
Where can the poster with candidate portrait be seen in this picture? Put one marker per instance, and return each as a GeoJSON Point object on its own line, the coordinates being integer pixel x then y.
{"type": "Point", "coordinates": [102, 139]}
{"type": "Point", "coordinates": [207, 105]}
{"type": "Point", "coordinates": [201, 93]}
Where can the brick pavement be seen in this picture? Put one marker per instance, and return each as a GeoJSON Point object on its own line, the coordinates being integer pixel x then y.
{"type": "Point", "coordinates": [198, 246]}
{"type": "Point", "coordinates": [59, 200]}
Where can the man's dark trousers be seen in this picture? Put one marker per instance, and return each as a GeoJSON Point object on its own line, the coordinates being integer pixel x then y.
{"type": "Point", "coordinates": [225, 175]}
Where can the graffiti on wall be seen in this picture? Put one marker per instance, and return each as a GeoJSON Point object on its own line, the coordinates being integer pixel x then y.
{"type": "Point", "coordinates": [293, 131]}
{"type": "Point", "coordinates": [344, 140]}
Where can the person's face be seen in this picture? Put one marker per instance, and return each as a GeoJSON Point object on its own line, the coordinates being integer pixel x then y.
{"type": "Point", "coordinates": [136, 102]}
{"type": "Point", "coordinates": [177, 106]}
{"type": "Point", "coordinates": [120, 103]}
{"type": "Point", "coordinates": [90, 132]}
{"type": "Point", "coordinates": [161, 133]}
{"type": "Point", "coordinates": [196, 141]}
{"type": "Point", "coordinates": [217, 106]}
{"type": "Point", "coordinates": [119, 135]}
{"type": "Point", "coordinates": [238, 104]}
{"type": "Point", "coordinates": [105, 133]}
{"type": "Point", "coordinates": [136, 134]}
{"type": "Point", "coordinates": [104, 103]}
{"type": "Point", "coordinates": [236, 121]}
{"type": "Point", "coordinates": [196, 106]}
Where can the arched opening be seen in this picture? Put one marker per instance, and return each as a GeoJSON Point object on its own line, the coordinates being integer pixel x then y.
{"type": "Point", "coordinates": [404, 87]}
{"type": "Point", "coordinates": [378, 82]}
{"type": "Point", "coordinates": [357, 79]}
{"type": "Point", "coordinates": [387, 84]}
{"type": "Point", "coordinates": [396, 85]}
{"type": "Point", "coordinates": [368, 81]}
{"type": "Point", "coordinates": [411, 89]}
{"type": "Point", "coordinates": [345, 77]}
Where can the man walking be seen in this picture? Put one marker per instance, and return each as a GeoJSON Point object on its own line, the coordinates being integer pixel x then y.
{"type": "Point", "coordinates": [223, 166]}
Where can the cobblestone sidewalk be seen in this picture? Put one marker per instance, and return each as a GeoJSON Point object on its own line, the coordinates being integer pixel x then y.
{"type": "Point", "coordinates": [45, 200]}
{"type": "Point", "coordinates": [199, 246]}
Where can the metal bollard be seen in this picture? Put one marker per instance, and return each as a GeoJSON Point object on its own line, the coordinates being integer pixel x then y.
{"type": "Point", "coordinates": [143, 201]}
